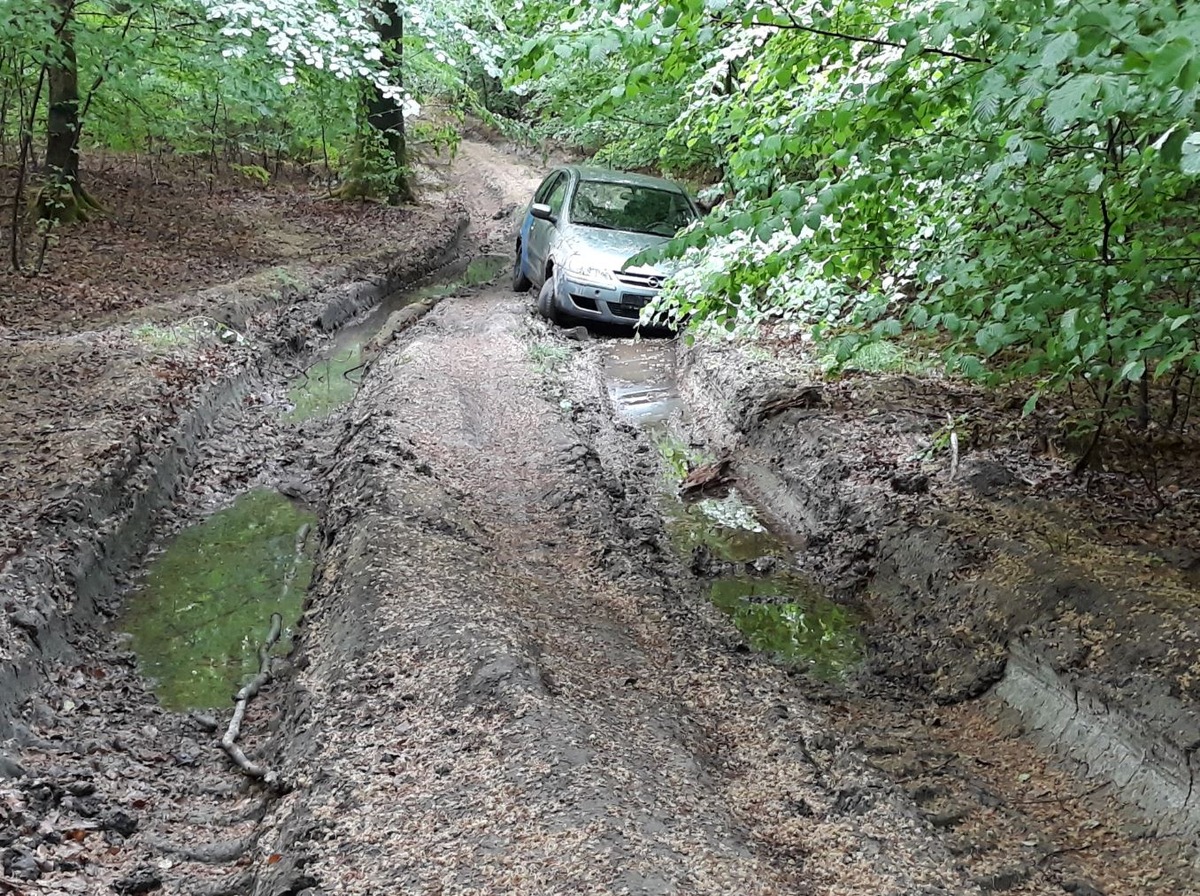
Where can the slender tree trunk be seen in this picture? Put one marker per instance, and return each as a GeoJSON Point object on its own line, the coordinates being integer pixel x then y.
{"type": "Point", "coordinates": [385, 114]}
{"type": "Point", "coordinates": [4, 101]}
{"type": "Point", "coordinates": [25, 147]}
{"type": "Point", "coordinates": [63, 198]}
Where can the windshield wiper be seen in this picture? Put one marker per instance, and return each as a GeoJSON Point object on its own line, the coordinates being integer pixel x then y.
{"type": "Point", "coordinates": [597, 225]}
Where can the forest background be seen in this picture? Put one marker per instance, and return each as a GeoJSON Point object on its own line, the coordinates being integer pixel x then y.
{"type": "Point", "coordinates": [1003, 190]}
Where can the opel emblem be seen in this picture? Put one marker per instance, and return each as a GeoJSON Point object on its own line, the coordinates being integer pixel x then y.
{"type": "Point", "coordinates": [655, 282]}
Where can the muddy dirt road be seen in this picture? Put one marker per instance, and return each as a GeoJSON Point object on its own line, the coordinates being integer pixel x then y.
{"type": "Point", "coordinates": [523, 666]}
{"type": "Point", "coordinates": [498, 699]}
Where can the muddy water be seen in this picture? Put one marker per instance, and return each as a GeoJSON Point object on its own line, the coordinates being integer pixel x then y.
{"type": "Point", "coordinates": [783, 614]}
{"type": "Point", "coordinates": [333, 380]}
{"type": "Point", "coordinates": [206, 602]}
{"type": "Point", "coordinates": [640, 378]}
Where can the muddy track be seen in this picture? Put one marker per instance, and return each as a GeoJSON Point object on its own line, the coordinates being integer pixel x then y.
{"type": "Point", "coordinates": [89, 534]}
{"type": "Point", "coordinates": [510, 679]}
{"type": "Point", "coordinates": [497, 695]}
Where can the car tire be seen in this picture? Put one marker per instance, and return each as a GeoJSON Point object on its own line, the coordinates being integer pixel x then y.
{"type": "Point", "coordinates": [545, 303]}
{"type": "Point", "coordinates": [520, 283]}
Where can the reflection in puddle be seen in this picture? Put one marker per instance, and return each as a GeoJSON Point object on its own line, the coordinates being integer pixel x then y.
{"type": "Point", "coordinates": [640, 377]}
{"type": "Point", "coordinates": [206, 602]}
{"type": "Point", "coordinates": [788, 617]}
{"type": "Point", "coordinates": [727, 527]}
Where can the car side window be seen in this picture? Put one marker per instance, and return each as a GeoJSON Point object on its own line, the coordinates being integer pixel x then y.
{"type": "Point", "coordinates": [557, 195]}
{"type": "Point", "coordinates": [543, 192]}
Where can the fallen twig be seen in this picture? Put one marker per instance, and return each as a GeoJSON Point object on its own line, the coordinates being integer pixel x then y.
{"type": "Point", "coordinates": [953, 447]}
{"type": "Point", "coordinates": [243, 698]}
{"type": "Point", "coordinates": [218, 853]}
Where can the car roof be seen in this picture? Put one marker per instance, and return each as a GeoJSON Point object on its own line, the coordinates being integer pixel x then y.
{"type": "Point", "coordinates": [610, 175]}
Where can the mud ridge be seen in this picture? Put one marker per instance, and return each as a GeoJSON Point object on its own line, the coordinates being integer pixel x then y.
{"type": "Point", "coordinates": [1062, 714]}
{"type": "Point", "coordinates": [69, 572]}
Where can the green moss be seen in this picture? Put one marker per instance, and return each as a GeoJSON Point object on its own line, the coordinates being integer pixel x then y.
{"type": "Point", "coordinates": [484, 269]}
{"type": "Point", "coordinates": [548, 356]}
{"type": "Point", "coordinates": [160, 337]}
{"type": "Point", "coordinates": [206, 603]}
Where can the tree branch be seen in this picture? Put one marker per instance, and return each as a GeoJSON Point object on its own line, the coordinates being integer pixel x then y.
{"type": "Point", "coordinates": [797, 25]}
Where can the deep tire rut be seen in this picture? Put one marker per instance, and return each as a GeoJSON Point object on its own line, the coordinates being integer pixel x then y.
{"type": "Point", "coordinates": [497, 698]}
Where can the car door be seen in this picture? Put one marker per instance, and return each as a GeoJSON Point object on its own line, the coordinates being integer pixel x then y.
{"type": "Point", "coordinates": [541, 233]}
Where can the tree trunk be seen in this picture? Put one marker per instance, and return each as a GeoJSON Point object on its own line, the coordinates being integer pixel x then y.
{"type": "Point", "coordinates": [386, 115]}
{"type": "Point", "coordinates": [63, 198]}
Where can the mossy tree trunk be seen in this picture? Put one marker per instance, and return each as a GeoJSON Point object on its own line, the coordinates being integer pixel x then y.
{"type": "Point", "coordinates": [63, 198]}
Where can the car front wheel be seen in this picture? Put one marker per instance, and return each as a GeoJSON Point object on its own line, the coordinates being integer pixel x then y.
{"type": "Point", "coordinates": [546, 306]}
{"type": "Point", "coordinates": [520, 283]}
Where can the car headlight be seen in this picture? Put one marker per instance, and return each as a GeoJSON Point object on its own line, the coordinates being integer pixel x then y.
{"type": "Point", "coordinates": [578, 266]}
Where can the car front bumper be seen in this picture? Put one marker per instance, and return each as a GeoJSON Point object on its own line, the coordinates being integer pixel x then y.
{"type": "Point", "coordinates": [616, 304]}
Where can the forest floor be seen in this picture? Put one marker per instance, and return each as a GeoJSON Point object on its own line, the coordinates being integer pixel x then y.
{"type": "Point", "coordinates": [509, 675]}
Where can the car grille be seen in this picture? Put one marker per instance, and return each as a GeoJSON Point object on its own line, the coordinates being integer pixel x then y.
{"type": "Point", "coordinates": [642, 281]}
{"type": "Point", "coordinates": [587, 304]}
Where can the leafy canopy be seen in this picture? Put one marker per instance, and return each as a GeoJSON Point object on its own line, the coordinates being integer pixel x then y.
{"type": "Point", "coordinates": [1018, 177]}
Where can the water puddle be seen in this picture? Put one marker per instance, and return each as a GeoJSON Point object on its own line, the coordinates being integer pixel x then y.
{"type": "Point", "coordinates": [784, 615]}
{"type": "Point", "coordinates": [333, 380]}
{"type": "Point", "coordinates": [205, 605]}
{"type": "Point", "coordinates": [726, 525]}
{"type": "Point", "coordinates": [327, 384]}
{"type": "Point", "coordinates": [789, 618]}
{"type": "Point", "coordinates": [640, 378]}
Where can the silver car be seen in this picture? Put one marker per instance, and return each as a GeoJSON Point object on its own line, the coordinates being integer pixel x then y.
{"type": "Point", "coordinates": [578, 234]}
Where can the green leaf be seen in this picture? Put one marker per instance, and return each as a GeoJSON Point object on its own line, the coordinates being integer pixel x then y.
{"type": "Point", "coordinates": [1170, 60]}
{"type": "Point", "coordinates": [1133, 370]}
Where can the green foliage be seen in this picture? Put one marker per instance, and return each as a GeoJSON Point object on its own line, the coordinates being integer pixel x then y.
{"type": "Point", "coordinates": [547, 356]}
{"type": "Point", "coordinates": [368, 168]}
{"type": "Point", "coordinates": [256, 173]}
{"type": "Point", "coordinates": [244, 85]}
{"type": "Point", "coordinates": [1017, 178]}
{"type": "Point", "coordinates": [440, 137]}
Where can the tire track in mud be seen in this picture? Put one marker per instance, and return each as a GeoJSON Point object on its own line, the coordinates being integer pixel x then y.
{"type": "Point", "coordinates": [496, 698]}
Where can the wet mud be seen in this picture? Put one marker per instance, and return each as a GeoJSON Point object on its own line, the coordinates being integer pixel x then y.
{"type": "Point", "coordinates": [962, 609]}
{"type": "Point", "coordinates": [500, 687]}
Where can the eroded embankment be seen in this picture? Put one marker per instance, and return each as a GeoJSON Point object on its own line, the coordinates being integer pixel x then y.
{"type": "Point", "coordinates": [970, 582]}
{"type": "Point", "coordinates": [87, 532]}
{"type": "Point", "coordinates": [498, 694]}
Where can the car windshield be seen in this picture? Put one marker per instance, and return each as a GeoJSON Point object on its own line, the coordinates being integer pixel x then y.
{"type": "Point", "coordinates": [641, 209]}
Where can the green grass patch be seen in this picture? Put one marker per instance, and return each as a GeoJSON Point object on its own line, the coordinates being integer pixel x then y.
{"type": "Point", "coordinates": [547, 356]}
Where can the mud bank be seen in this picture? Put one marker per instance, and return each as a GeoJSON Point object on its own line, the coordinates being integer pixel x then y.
{"type": "Point", "coordinates": [90, 532]}
{"type": "Point", "coordinates": [973, 585]}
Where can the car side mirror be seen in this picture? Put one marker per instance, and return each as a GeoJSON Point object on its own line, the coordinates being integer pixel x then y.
{"type": "Point", "coordinates": [541, 211]}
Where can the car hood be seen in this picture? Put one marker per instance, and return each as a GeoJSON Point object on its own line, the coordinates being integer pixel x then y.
{"type": "Point", "coordinates": [608, 249]}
